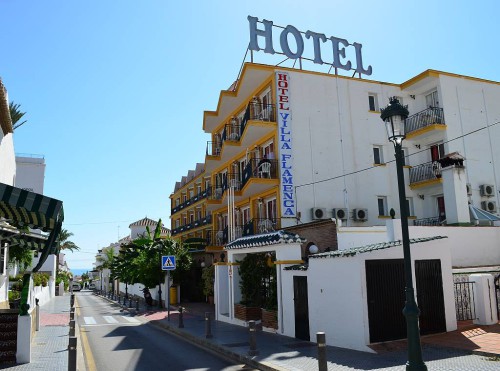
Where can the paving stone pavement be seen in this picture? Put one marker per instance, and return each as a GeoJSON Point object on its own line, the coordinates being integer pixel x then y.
{"type": "Point", "coordinates": [277, 352]}
{"type": "Point", "coordinates": [49, 351]}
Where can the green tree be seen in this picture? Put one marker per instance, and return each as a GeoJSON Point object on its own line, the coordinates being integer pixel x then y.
{"type": "Point", "coordinates": [149, 249]}
{"type": "Point", "coordinates": [63, 242]}
{"type": "Point", "coordinates": [16, 115]}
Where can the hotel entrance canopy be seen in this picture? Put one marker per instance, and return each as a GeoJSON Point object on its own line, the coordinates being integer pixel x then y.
{"type": "Point", "coordinates": [21, 209]}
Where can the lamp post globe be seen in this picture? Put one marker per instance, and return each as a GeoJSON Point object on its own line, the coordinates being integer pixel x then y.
{"type": "Point", "coordinates": [394, 116]}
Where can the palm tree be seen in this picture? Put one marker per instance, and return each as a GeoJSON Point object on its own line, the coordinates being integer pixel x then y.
{"type": "Point", "coordinates": [16, 115]}
{"type": "Point", "coordinates": [63, 243]}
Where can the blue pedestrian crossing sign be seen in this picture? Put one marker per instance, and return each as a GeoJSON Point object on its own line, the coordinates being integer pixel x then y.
{"type": "Point", "coordinates": [168, 262]}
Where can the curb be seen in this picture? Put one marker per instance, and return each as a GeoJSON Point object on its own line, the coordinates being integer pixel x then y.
{"type": "Point", "coordinates": [215, 348]}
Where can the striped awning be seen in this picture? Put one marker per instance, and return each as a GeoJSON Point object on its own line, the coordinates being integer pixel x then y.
{"type": "Point", "coordinates": [22, 209]}
{"type": "Point", "coordinates": [25, 240]}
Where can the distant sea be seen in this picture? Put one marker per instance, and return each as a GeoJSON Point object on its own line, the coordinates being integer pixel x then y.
{"type": "Point", "coordinates": [79, 272]}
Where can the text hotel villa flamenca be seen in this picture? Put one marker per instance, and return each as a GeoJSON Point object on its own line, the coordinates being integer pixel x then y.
{"type": "Point", "coordinates": [285, 144]}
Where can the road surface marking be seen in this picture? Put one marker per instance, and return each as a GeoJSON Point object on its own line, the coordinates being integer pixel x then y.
{"type": "Point", "coordinates": [89, 357]}
{"type": "Point", "coordinates": [110, 319]}
{"type": "Point", "coordinates": [131, 319]}
{"type": "Point", "coordinates": [89, 320]}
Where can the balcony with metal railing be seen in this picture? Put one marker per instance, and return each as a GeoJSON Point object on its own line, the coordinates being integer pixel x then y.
{"type": "Point", "coordinates": [235, 133]}
{"type": "Point", "coordinates": [253, 227]}
{"type": "Point", "coordinates": [426, 222]}
{"type": "Point", "coordinates": [425, 123]}
{"type": "Point", "coordinates": [200, 196]}
{"type": "Point", "coordinates": [425, 174]}
{"type": "Point", "coordinates": [207, 220]}
{"type": "Point", "coordinates": [260, 169]}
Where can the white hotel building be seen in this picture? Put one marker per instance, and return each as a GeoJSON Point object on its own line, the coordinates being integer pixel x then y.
{"type": "Point", "coordinates": [331, 156]}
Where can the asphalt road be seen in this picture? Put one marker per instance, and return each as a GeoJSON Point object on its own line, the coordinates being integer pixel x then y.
{"type": "Point", "coordinates": [113, 340]}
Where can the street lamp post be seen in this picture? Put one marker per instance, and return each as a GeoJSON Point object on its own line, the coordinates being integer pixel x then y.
{"type": "Point", "coordinates": [394, 116]}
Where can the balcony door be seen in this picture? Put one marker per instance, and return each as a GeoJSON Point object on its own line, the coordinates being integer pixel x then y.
{"type": "Point", "coordinates": [432, 100]}
{"type": "Point", "coordinates": [437, 152]}
{"type": "Point", "coordinates": [441, 208]}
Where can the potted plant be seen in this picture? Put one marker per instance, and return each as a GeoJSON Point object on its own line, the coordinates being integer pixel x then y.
{"type": "Point", "coordinates": [208, 278]}
{"type": "Point", "coordinates": [251, 269]}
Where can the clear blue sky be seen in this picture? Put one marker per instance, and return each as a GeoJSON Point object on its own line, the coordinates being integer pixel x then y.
{"type": "Point", "coordinates": [115, 90]}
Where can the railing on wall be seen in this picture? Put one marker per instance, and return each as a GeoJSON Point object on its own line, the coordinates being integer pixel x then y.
{"type": "Point", "coordinates": [429, 116]}
{"type": "Point", "coordinates": [464, 300]}
{"type": "Point", "coordinates": [427, 171]}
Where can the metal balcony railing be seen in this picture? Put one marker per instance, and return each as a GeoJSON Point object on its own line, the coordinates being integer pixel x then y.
{"type": "Point", "coordinates": [429, 116]}
{"type": "Point", "coordinates": [192, 200]}
{"type": "Point", "coordinates": [258, 112]}
{"type": "Point", "coordinates": [425, 222]}
{"type": "Point", "coordinates": [263, 168]}
{"type": "Point", "coordinates": [214, 148]}
{"type": "Point", "coordinates": [428, 171]}
{"type": "Point", "coordinates": [207, 220]}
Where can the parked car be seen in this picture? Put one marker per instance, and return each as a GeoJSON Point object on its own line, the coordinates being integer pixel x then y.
{"type": "Point", "coordinates": [92, 286]}
{"type": "Point", "coordinates": [76, 286]}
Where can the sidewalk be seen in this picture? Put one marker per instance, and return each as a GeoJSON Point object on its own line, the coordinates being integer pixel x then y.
{"type": "Point", "coordinates": [276, 352]}
{"type": "Point", "coordinates": [50, 344]}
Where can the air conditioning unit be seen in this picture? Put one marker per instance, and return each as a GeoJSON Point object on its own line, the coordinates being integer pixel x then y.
{"type": "Point", "coordinates": [360, 215]}
{"type": "Point", "coordinates": [318, 213]}
{"type": "Point", "coordinates": [490, 206]}
{"type": "Point", "coordinates": [341, 214]}
{"type": "Point", "coordinates": [468, 186]}
{"type": "Point", "coordinates": [487, 190]}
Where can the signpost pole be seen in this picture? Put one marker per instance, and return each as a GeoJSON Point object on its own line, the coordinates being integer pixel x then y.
{"type": "Point", "coordinates": [168, 295]}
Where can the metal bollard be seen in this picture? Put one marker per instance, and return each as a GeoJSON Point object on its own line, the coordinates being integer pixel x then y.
{"type": "Point", "coordinates": [72, 300]}
{"type": "Point", "coordinates": [321, 341]}
{"type": "Point", "coordinates": [72, 327]}
{"type": "Point", "coordinates": [181, 318]}
{"type": "Point", "coordinates": [72, 353]}
{"type": "Point", "coordinates": [37, 315]}
{"type": "Point", "coordinates": [130, 303]}
{"type": "Point", "coordinates": [137, 304]}
{"type": "Point", "coordinates": [252, 339]}
{"type": "Point", "coordinates": [72, 314]}
{"type": "Point", "coordinates": [208, 328]}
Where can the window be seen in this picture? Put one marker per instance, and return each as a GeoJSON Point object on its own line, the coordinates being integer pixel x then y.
{"type": "Point", "coordinates": [372, 102]}
{"type": "Point", "coordinates": [409, 206]}
{"type": "Point", "coordinates": [268, 151]}
{"type": "Point", "coordinates": [271, 209]}
{"type": "Point", "coordinates": [382, 205]}
{"type": "Point", "coordinates": [437, 151]}
{"type": "Point", "coordinates": [177, 223]}
{"type": "Point", "coordinates": [177, 201]}
{"type": "Point", "coordinates": [378, 155]}
{"type": "Point", "coordinates": [245, 214]}
{"type": "Point", "coordinates": [431, 100]}
{"type": "Point", "coordinates": [191, 218]}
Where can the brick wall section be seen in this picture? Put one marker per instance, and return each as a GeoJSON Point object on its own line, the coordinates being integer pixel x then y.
{"type": "Point", "coordinates": [322, 233]}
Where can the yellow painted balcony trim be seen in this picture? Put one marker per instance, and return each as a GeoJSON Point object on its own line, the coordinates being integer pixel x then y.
{"type": "Point", "coordinates": [382, 164]}
{"type": "Point", "coordinates": [384, 217]}
{"type": "Point", "coordinates": [426, 183]}
{"type": "Point", "coordinates": [407, 166]}
{"type": "Point", "coordinates": [425, 130]}
{"type": "Point", "coordinates": [374, 111]}
{"type": "Point", "coordinates": [289, 262]}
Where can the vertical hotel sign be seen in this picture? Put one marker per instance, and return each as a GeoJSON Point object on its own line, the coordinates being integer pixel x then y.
{"type": "Point", "coordinates": [285, 143]}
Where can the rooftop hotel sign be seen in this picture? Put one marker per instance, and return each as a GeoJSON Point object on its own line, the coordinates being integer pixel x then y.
{"type": "Point", "coordinates": [337, 46]}
{"type": "Point", "coordinates": [285, 144]}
